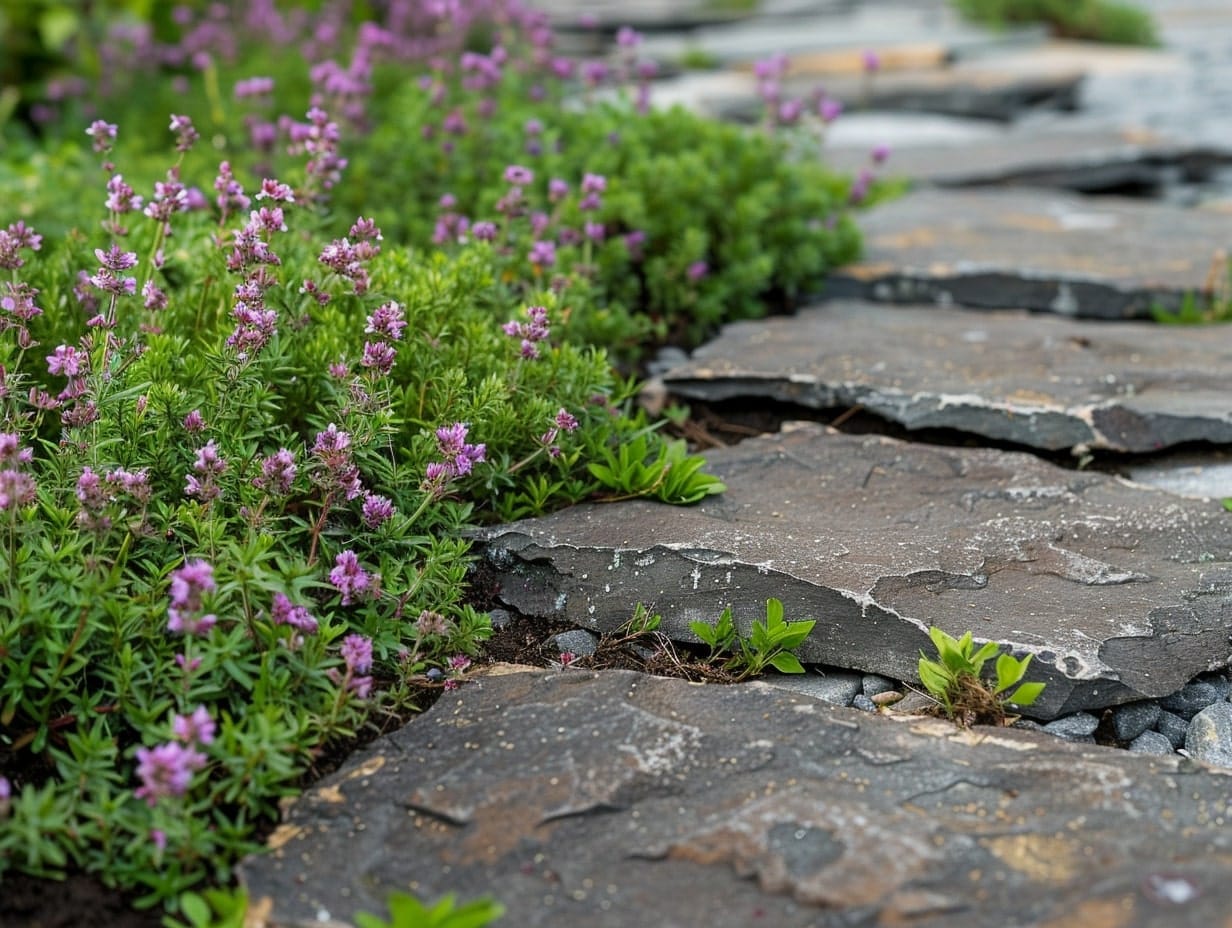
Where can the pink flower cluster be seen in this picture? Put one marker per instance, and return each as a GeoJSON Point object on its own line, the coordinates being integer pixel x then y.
{"type": "Point", "coordinates": [189, 584]}
{"type": "Point", "coordinates": [17, 488]}
{"type": "Point", "coordinates": [166, 771]}
{"type": "Point", "coordinates": [531, 333]}
{"type": "Point", "coordinates": [351, 580]}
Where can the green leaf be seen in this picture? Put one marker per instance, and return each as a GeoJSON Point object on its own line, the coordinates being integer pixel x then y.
{"type": "Point", "coordinates": [786, 663]}
{"type": "Point", "coordinates": [1010, 671]}
{"type": "Point", "coordinates": [774, 612]}
{"type": "Point", "coordinates": [1026, 694]}
{"type": "Point", "coordinates": [195, 909]}
{"type": "Point", "coordinates": [935, 679]}
{"type": "Point", "coordinates": [1227, 503]}
{"type": "Point", "coordinates": [795, 633]}
{"type": "Point", "coordinates": [988, 650]}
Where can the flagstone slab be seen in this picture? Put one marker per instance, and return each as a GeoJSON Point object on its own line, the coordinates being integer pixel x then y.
{"type": "Point", "coordinates": [1119, 591]}
{"type": "Point", "coordinates": [1036, 380]}
{"type": "Point", "coordinates": [612, 799]}
{"type": "Point", "coordinates": [1087, 161]}
{"type": "Point", "coordinates": [1036, 249]}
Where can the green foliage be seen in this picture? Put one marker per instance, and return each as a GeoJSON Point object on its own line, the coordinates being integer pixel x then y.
{"type": "Point", "coordinates": [664, 471]}
{"type": "Point", "coordinates": [1100, 20]}
{"type": "Point", "coordinates": [955, 680]}
{"type": "Point", "coordinates": [768, 644]}
{"type": "Point", "coordinates": [406, 911]}
{"type": "Point", "coordinates": [214, 908]}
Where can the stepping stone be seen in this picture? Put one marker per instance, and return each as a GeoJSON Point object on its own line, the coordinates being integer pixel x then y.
{"type": "Point", "coordinates": [1038, 250]}
{"type": "Point", "coordinates": [593, 799]}
{"type": "Point", "coordinates": [1120, 592]}
{"type": "Point", "coordinates": [902, 34]}
{"type": "Point", "coordinates": [1088, 161]}
{"type": "Point", "coordinates": [1033, 380]}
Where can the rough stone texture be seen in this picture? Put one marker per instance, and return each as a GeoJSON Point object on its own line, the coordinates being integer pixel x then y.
{"type": "Point", "coordinates": [1210, 735]}
{"type": "Point", "coordinates": [874, 684]}
{"type": "Point", "coordinates": [578, 641]}
{"type": "Point", "coordinates": [1132, 719]}
{"type": "Point", "coordinates": [1191, 699]}
{"type": "Point", "coordinates": [1035, 380]}
{"type": "Point", "coordinates": [1114, 588]}
{"type": "Point", "coordinates": [1202, 476]}
{"type": "Point", "coordinates": [1151, 742]}
{"type": "Point", "coordinates": [1035, 249]}
{"type": "Point", "coordinates": [839, 687]}
{"type": "Point", "coordinates": [613, 799]}
{"type": "Point", "coordinates": [1088, 161]}
{"type": "Point", "coordinates": [1077, 727]}
{"type": "Point", "coordinates": [1172, 727]}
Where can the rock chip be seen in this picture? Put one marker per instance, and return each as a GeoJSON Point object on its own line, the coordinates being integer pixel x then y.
{"type": "Point", "coordinates": [1035, 249]}
{"type": "Point", "coordinates": [1033, 380]}
{"type": "Point", "coordinates": [592, 799]}
{"type": "Point", "coordinates": [578, 641]}
{"type": "Point", "coordinates": [1106, 583]}
{"type": "Point", "coordinates": [1132, 719]}
{"type": "Point", "coordinates": [1210, 735]}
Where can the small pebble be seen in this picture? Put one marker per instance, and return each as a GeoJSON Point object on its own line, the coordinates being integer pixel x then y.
{"type": "Point", "coordinates": [875, 684]}
{"type": "Point", "coordinates": [500, 617]}
{"type": "Point", "coordinates": [1191, 698]}
{"type": "Point", "coordinates": [1210, 735]}
{"type": "Point", "coordinates": [1172, 727]}
{"type": "Point", "coordinates": [860, 701]}
{"type": "Point", "coordinates": [888, 698]}
{"type": "Point", "coordinates": [1132, 719]}
{"type": "Point", "coordinates": [1077, 727]}
{"type": "Point", "coordinates": [578, 641]}
{"type": "Point", "coordinates": [1151, 742]}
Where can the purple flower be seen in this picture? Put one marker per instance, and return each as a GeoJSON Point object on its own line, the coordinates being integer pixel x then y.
{"type": "Point", "coordinates": [67, 360]}
{"type": "Point", "coordinates": [193, 423]}
{"type": "Point", "coordinates": [185, 134]}
{"type": "Point", "coordinates": [11, 450]}
{"type": "Point", "coordinates": [120, 196]}
{"type": "Point", "coordinates": [431, 623]}
{"type": "Point", "coordinates": [208, 466]}
{"type": "Point", "coordinates": [278, 192]}
{"type": "Point", "coordinates": [378, 356]}
{"type": "Point", "coordinates": [595, 231]}
{"type": "Point", "coordinates": [6, 793]}
{"type": "Point", "coordinates": [557, 190]}
{"type": "Point", "coordinates": [519, 176]}
{"type": "Point", "coordinates": [459, 662]}
{"type": "Point", "coordinates": [829, 109]}
{"type": "Point", "coordinates": [189, 584]}
{"type": "Point", "coordinates": [484, 231]}
{"type": "Point", "coordinates": [103, 134]}
{"type": "Point", "coordinates": [155, 299]}
{"type": "Point", "coordinates": [16, 489]}
{"type": "Point", "coordinates": [254, 87]}
{"type": "Point", "coordinates": [628, 38]}
{"type": "Point", "coordinates": [542, 254]}
{"type": "Point", "coordinates": [532, 332]}
{"type": "Point", "coordinates": [356, 651]}
{"type": "Point", "coordinates": [284, 612]}
{"type": "Point", "coordinates": [871, 61]}
{"type": "Point", "coordinates": [197, 728]}
{"type": "Point", "coordinates": [377, 510]}
{"type": "Point", "coordinates": [166, 770]}
{"type": "Point", "coordinates": [880, 153]}
{"type": "Point", "coordinates": [697, 270]}
{"type": "Point", "coordinates": [387, 321]}
{"type": "Point", "coordinates": [859, 187]}
{"type": "Point", "coordinates": [351, 580]}
{"type": "Point", "coordinates": [277, 473]}
{"type": "Point", "coordinates": [594, 183]}
{"type": "Point", "coordinates": [565, 421]}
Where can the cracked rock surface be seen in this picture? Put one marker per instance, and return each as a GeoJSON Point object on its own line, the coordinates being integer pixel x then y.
{"type": "Point", "coordinates": [611, 799]}
{"type": "Point", "coordinates": [1034, 380]}
{"type": "Point", "coordinates": [1035, 249]}
{"type": "Point", "coordinates": [1119, 591]}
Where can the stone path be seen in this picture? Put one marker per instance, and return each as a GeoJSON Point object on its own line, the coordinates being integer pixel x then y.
{"type": "Point", "coordinates": [612, 799]}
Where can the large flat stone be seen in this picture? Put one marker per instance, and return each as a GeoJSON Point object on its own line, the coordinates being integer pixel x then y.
{"type": "Point", "coordinates": [1120, 591]}
{"type": "Point", "coordinates": [1036, 249]}
{"type": "Point", "coordinates": [611, 799]}
{"type": "Point", "coordinates": [1088, 161]}
{"type": "Point", "coordinates": [1035, 380]}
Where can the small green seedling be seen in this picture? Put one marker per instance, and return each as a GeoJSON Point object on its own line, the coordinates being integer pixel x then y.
{"type": "Point", "coordinates": [405, 911]}
{"type": "Point", "coordinates": [213, 908]}
{"type": "Point", "coordinates": [672, 476]}
{"type": "Point", "coordinates": [769, 644]}
{"type": "Point", "coordinates": [957, 684]}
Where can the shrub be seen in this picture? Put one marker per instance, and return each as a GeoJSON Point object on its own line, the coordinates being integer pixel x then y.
{"type": "Point", "coordinates": [1100, 20]}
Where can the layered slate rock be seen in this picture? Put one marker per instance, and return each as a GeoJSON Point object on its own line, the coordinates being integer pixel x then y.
{"type": "Point", "coordinates": [1119, 591]}
{"type": "Point", "coordinates": [1036, 249]}
{"type": "Point", "coordinates": [1087, 161]}
{"type": "Point", "coordinates": [1040, 381]}
{"type": "Point", "coordinates": [612, 799]}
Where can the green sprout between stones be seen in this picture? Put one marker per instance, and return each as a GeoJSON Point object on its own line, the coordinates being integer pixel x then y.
{"type": "Point", "coordinates": [405, 911]}
{"type": "Point", "coordinates": [769, 643]}
{"type": "Point", "coordinates": [956, 681]}
{"type": "Point", "coordinates": [665, 471]}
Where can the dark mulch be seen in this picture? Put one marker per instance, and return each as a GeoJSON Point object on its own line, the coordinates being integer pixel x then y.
{"type": "Point", "coordinates": [79, 901]}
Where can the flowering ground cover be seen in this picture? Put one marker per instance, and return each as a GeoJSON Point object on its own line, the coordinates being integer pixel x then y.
{"type": "Point", "coordinates": [285, 306]}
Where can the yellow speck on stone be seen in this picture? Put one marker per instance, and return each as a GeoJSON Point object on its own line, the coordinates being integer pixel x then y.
{"type": "Point", "coordinates": [1043, 858]}
{"type": "Point", "coordinates": [282, 834]}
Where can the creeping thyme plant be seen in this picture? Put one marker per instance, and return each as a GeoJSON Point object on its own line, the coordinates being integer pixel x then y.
{"type": "Point", "coordinates": [252, 390]}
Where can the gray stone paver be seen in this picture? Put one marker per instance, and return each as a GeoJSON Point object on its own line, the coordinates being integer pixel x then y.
{"type": "Point", "coordinates": [614, 799]}
{"type": "Point", "coordinates": [1036, 249]}
{"type": "Point", "coordinates": [1119, 591]}
{"type": "Point", "coordinates": [1036, 380]}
